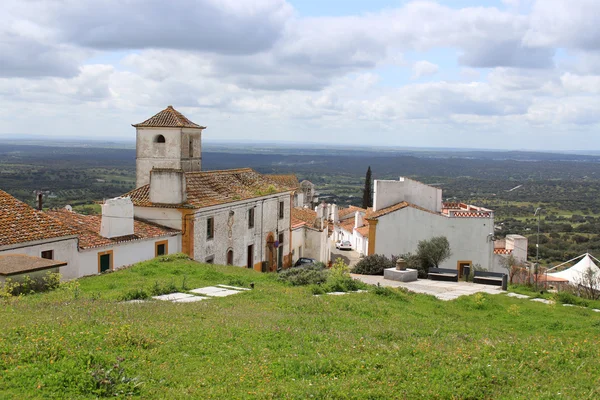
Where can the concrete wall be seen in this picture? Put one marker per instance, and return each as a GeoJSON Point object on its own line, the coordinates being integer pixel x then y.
{"type": "Point", "coordinates": [117, 217]}
{"type": "Point", "coordinates": [232, 232]}
{"type": "Point", "coordinates": [169, 217]}
{"type": "Point", "coordinates": [399, 232]}
{"type": "Point", "coordinates": [388, 193]}
{"type": "Point", "coordinates": [167, 186]}
{"type": "Point", "coordinates": [64, 250]}
{"type": "Point", "coordinates": [126, 253]}
{"type": "Point", "coordinates": [518, 244]}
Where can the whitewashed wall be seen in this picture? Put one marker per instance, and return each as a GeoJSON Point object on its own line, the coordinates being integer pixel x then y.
{"type": "Point", "coordinates": [388, 193]}
{"type": "Point", "coordinates": [125, 253]}
{"type": "Point", "coordinates": [399, 232]}
{"type": "Point", "coordinates": [266, 219]}
{"type": "Point", "coordinates": [169, 217]}
{"type": "Point", "coordinates": [64, 250]}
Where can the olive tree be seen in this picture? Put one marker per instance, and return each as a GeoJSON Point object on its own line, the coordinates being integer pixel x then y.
{"type": "Point", "coordinates": [433, 252]}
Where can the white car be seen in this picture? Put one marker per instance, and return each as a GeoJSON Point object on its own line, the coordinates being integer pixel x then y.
{"type": "Point", "coordinates": [343, 245]}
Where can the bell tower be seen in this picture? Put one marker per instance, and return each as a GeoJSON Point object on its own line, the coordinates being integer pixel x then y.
{"type": "Point", "coordinates": [167, 140]}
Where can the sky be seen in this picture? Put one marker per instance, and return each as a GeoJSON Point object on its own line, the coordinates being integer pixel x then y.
{"type": "Point", "coordinates": [498, 74]}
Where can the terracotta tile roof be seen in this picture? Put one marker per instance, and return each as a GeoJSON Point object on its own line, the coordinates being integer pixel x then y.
{"type": "Point", "coordinates": [343, 212]}
{"type": "Point", "coordinates": [347, 225]}
{"type": "Point", "coordinates": [210, 188]}
{"type": "Point", "coordinates": [14, 264]}
{"type": "Point", "coordinates": [396, 207]}
{"type": "Point", "coordinates": [290, 180]}
{"type": "Point", "coordinates": [88, 229]}
{"type": "Point", "coordinates": [304, 214]}
{"type": "Point", "coordinates": [20, 223]}
{"type": "Point", "coordinates": [168, 118]}
{"type": "Point", "coordinates": [364, 230]}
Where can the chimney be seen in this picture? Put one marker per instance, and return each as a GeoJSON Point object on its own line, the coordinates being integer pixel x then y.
{"type": "Point", "coordinates": [358, 220]}
{"type": "Point", "coordinates": [117, 218]}
{"type": "Point", "coordinates": [167, 186]}
{"type": "Point", "coordinates": [335, 216]}
{"type": "Point", "coordinates": [40, 200]}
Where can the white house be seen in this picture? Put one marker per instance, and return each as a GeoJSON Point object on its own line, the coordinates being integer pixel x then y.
{"type": "Point", "coordinates": [115, 239]}
{"type": "Point", "coordinates": [309, 235]}
{"type": "Point", "coordinates": [406, 212]}
{"type": "Point", "coordinates": [28, 235]}
{"type": "Point", "coordinates": [237, 217]}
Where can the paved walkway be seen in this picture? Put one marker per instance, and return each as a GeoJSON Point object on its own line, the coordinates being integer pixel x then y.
{"type": "Point", "coordinates": [350, 257]}
{"type": "Point", "coordinates": [440, 289]}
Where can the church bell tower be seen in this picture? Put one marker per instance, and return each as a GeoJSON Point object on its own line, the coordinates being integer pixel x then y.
{"type": "Point", "coordinates": [167, 140]}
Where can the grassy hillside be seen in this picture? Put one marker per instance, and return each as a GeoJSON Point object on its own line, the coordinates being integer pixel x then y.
{"type": "Point", "coordinates": [281, 342]}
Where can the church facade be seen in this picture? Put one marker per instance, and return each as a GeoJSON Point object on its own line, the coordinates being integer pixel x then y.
{"type": "Point", "coordinates": [234, 217]}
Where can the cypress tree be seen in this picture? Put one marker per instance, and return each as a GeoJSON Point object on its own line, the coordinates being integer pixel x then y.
{"type": "Point", "coordinates": [368, 191]}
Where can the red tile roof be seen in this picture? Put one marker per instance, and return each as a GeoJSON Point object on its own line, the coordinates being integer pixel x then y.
{"type": "Point", "coordinates": [290, 180]}
{"type": "Point", "coordinates": [20, 223]}
{"type": "Point", "coordinates": [343, 212]}
{"type": "Point", "coordinates": [396, 207]}
{"type": "Point", "coordinates": [347, 224]}
{"type": "Point", "coordinates": [88, 229]}
{"type": "Point", "coordinates": [209, 188]}
{"type": "Point", "coordinates": [168, 118]}
{"type": "Point", "coordinates": [364, 230]}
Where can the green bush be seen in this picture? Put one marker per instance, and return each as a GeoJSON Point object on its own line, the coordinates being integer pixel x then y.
{"type": "Point", "coordinates": [309, 275]}
{"type": "Point", "coordinates": [135, 294]}
{"type": "Point", "coordinates": [372, 265]}
{"type": "Point", "coordinates": [569, 298]}
{"type": "Point", "coordinates": [29, 285]}
{"type": "Point", "coordinates": [159, 289]}
{"type": "Point", "coordinates": [339, 279]}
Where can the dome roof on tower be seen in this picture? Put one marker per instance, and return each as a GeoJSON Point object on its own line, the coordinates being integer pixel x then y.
{"type": "Point", "coordinates": [168, 118]}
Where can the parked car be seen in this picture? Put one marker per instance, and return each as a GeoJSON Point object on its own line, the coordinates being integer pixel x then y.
{"type": "Point", "coordinates": [343, 245]}
{"type": "Point", "coordinates": [302, 261]}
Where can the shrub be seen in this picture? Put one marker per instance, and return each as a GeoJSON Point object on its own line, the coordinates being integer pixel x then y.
{"type": "Point", "coordinates": [309, 275]}
{"type": "Point", "coordinates": [372, 265]}
{"type": "Point", "coordinates": [135, 294]}
{"type": "Point", "coordinates": [159, 289]}
{"type": "Point", "coordinates": [569, 298]}
{"type": "Point", "coordinates": [339, 279]}
{"type": "Point", "coordinates": [29, 285]}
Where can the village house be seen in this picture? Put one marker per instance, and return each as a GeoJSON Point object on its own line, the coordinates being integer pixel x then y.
{"type": "Point", "coordinates": [115, 239]}
{"type": "Point", "coordinates": [235, 217]}
{"type": "Point", "coordinates": [33, 243]}
{"type": "Point", "coordinates": [310, 235]}
{"type": "Point", "coordinates": [406, 211]}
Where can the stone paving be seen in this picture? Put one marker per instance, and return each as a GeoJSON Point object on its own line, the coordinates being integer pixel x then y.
{"type": "Point", "coordinates": [440, 289]}
{"type": "Point", "coordinates": [199, 294]}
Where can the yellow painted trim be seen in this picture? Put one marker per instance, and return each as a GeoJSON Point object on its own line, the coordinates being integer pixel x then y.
{"type": "Point", "coordinates": [112, 259]}
{"type": "Point", "coordinates": [372, 235]}
{"type": "Point", "coordinates": [166, 243]}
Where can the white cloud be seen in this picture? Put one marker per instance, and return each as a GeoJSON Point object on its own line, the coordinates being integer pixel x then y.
{"type": "Point", "coordinates": [423, 69]}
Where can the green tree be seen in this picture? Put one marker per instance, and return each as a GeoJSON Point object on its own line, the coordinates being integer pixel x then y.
{"type": "Point", "coordinates": [433, 252]}
{"type": "Point", "coordinates": [368, 191]}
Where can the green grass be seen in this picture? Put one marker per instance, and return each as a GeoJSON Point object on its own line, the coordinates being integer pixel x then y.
{"type": "Point", "coordinates": [278, 341]}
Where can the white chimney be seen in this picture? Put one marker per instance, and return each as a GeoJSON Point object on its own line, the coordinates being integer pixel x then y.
{"type": "Point", "coordinates": [335, 216]}
{"type": "Point", "coordinates": [358, 220]}
{"type": "Point", "coordinates": [320, 209]}
{"type": "Point", "coordinates": [167, 186]}
{"type": "Point", "coordinates": [117, 218]}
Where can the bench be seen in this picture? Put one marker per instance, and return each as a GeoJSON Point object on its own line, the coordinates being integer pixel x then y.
{"type": "Point", "coordinates": [443, 274]}
{"type": "Point", "coordinates": [491, 278]}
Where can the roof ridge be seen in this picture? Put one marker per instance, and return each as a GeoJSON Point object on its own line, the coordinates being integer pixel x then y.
{"type": "Point", "coordinates": [233, 170]}
{"type": "Point", "coordinates": [168, 118]}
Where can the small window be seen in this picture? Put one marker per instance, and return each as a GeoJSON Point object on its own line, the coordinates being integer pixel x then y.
{"type": "Point", "coordinates": [191, 148]}
{"type": "Point", "coordinates": [48, 254]}
{"type": "Point", "coordinates": [159, 139]}
{"type": "Point", "coordinates": [105, 261]}
{"type": "Point", "coordinates": [230, 257]}
{"type": "Point", "coordinates": [251, 218]}
{"type": "Point", "coordinates": [280, 239]}
{"type": "Point", "coordinates": [210, 228]}
{"type": "Point", "coordinates": [161, 248]}
{"type": "Point", "coordinates": [210, 260]}
{"type": "Point", "coordinates": [281, 208]}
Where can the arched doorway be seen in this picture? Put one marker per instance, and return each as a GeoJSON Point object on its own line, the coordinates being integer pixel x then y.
{"type": "Point", "coordinates": [230, 257]}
